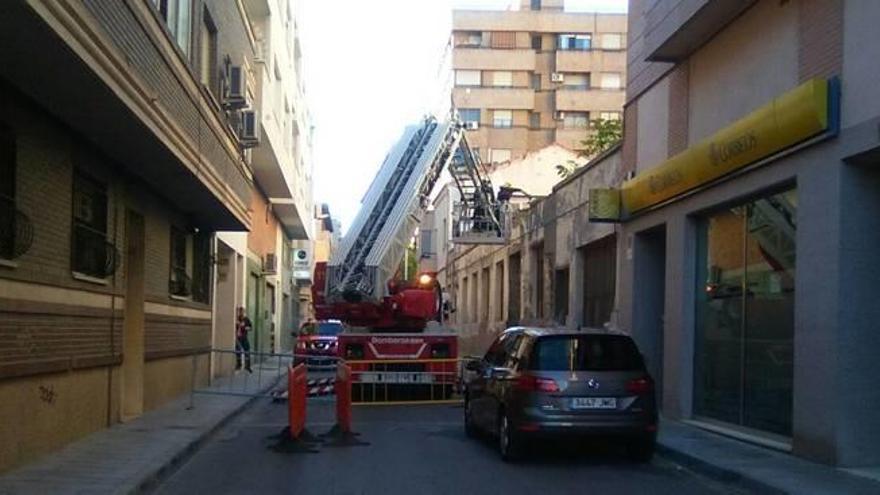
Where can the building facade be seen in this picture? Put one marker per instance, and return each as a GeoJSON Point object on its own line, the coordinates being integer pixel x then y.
{"type": "Point", "coordinates": [747, 230]}
{"type": "Point", "coordinates": [120, 157]}
{"type": "Point", "coordinates": [281, 199]}
{"type": "Point", "coordinates": [557, 269]}
{"type": "Point", "coordinates": [156, 170]}
{"type": "Point", "coordinates": [528, 78]}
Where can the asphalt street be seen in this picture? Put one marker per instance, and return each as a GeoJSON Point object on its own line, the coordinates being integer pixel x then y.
{"type": "Point", "coordinates": [412, 450]}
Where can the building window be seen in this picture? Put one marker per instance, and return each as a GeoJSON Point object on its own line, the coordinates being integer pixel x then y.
{"type": "Point", "coordinates": [575, 41]}
{"type": "Point", "coordinates": [179, 283]}
{"type": "Point", "coordinates": [599, 275]}
{"type": "Point", "coordinates": [208, 52]}
{"type": "Point", "coordinates": [576, 80]}
{"type": "Point", "coordinates": [91, 253]}
{"type": "Point", "coordinates": [535, 120]}
{"type": "Point", "coordinates": [502, 118]}
{"type": "Point", "coordinates": [467, 78]}
{"type": "Point", "coordinates": [7, 193]}
{"type": "Point", "coordinates": [610, 115]}
{"type": "Point", "coordinates": [469, 114]}
{"type": "Point", "coordinates": [426, 243]}
{"type": "Point", "coordinates": [535, 4]}
{"type": "Point", "coordinates": [502, 79]}
{"type": "Point", "coordinates": [177, 15]}
{"type": "Point", "coordinates": [499, 291]}
{"type": "Point", "coordinates": [610, 80]}
{"type": "Point", "coordinates": [537, 42]}
{"type": "Point", "coordinates": [577, 120]}
{"type": "Point", "coordinates": [499, 155]}
{"type": "Point", "coordinates": [470, 38]}
{"type": "Point", "coordinates": [503, 39]}
{"type": "Point", "coordinates": [536, 81]}
{"type": "Point", "coordinates": [745, 314]}
{"type": "Point", "coordinates": [538, 274]}
{"type": "Point", "coordinates": [560, 296]}
{"type": "Point", "coordinates": [201, 271]}
{"type": "Point", "coordinates": [612, 41]}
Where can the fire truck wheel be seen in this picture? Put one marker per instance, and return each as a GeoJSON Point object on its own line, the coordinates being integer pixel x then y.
{"type": "Point", "coordinates": [509, 443]}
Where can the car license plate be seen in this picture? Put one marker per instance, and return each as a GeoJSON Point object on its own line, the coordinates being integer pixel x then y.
{"type": "Point", "coordinates": [594, 403]}
{"type": "Point", "coordinates": [398, 377]}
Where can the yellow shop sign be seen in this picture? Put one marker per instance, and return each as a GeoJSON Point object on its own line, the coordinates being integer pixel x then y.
{"type": "Point", "coordinates": [787, 120]}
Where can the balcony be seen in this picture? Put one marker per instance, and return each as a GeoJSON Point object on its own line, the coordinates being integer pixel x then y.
{"type": "Point", "coordinates": [543, 21]}
{"type": "Point", "coordinates": [494, 97]}
{"type": "Point", "coordinates": [493, 59]}
{"type": "Point", "coordinates": [109, 72]}
{"type": "Point", "coordinates": [590, 61]}
{"type": "Point", "coordinates": [589, 100]}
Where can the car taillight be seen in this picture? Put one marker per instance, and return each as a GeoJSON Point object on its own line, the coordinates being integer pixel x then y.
{"type": "Point", "coordinates": [640, 386]}
{"type": "Point", "coordinates": [531, 383]}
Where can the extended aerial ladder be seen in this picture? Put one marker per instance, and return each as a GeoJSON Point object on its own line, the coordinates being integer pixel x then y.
{"type": "Point", "coordinates": [358, 283]}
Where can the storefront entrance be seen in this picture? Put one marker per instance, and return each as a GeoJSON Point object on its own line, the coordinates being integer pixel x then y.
{"type": "Point", "coordinates": [745, 314]}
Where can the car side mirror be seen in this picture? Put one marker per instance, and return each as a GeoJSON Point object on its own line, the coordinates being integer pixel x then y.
{"type": "Point", "coordinates": [474, 365]}
{"type": "Point", "coordinates": [501, 373]}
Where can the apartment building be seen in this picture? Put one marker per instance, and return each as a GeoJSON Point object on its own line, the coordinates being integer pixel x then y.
{"type": "Point", "coordinates": [527, 78]}
{"type": "Point", "coordinates": [123, 148]}
{"type": "Point", "coordinates": [260, 263]}
{"type": "Point", "coordinates": [748, 233]}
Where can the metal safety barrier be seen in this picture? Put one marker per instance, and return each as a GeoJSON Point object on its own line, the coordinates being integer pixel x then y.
{"type": "Point", "coordinates": [238, 373]}
{"type": "Point", "coordinates": [403, 381]}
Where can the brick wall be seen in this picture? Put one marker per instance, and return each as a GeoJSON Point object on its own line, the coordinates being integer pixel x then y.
{"type": "Point", "coordinates": [264, 226]}
{"type": "Point", "coordinates": [820, 38]}
{"type": "Point", "coordinates": [123, 27]}
{"type": "Point", "coordinates": [80, 327]}
{"type": "Point", "coordinates": [677, 130]}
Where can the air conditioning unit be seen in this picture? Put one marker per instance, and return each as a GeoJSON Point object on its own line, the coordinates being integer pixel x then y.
{"type": "Point", "coordinates": [557, 77]}
{"type": "Point", "coordinates": [236, 88]}
{"type": "Point", "coordinates": [560, 115]}
{"type": "Point", "coordinates": [249, 133]}
{"type": "Point", "coordinates": [270, 263]}
{"type": "Point", "coordinates": [472, 126]}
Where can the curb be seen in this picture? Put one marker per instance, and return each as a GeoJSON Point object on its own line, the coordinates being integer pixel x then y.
{"type": "Point", "coordinates": [714, 471]}
{"type": "Point", "coordinates": [152, 480]}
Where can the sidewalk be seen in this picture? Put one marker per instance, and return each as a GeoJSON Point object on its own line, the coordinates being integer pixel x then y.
{"type": "Point", "coordinates": [753, 467]}
{"type": "Point", "coordinates": [134, 456]}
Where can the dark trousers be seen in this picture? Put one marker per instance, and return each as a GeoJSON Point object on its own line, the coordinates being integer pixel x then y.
{"type": "Point", "coordinates": [242, 347]}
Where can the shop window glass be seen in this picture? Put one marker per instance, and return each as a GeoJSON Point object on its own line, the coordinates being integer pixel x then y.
{"type": "Point", "coordinates": [745, 314]}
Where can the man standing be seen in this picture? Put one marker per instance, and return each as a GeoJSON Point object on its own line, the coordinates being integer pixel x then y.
{"type": "Point", "coordinates": [242, 345]}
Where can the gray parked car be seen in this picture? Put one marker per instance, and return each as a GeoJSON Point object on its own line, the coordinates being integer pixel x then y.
{"type": "Point", "coordinates": [546, 383]}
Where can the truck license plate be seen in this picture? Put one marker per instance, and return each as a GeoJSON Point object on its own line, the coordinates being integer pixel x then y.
{"type": "Point", "coordinates": [594, 403]}
{"type": "Point", "coordinates": [396, 377]}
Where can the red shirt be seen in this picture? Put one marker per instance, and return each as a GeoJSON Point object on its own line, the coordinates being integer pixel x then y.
{"type": "Point", "coordinates": [242, 327]}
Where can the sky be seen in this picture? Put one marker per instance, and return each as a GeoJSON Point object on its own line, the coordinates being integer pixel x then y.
{"type": "Point", "coordinates": [370, 68]}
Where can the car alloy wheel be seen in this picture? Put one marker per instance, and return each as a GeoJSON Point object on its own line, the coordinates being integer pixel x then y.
{"type": "Point", "coordinates": [469, 428]}
{"type": "Point", "coordinates": [508, 443]}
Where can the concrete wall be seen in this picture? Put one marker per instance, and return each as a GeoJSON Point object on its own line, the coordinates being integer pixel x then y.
{"type": "Point", "coordinates": [737, 72]}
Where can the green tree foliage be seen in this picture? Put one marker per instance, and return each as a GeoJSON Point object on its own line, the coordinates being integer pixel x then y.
{"type": "Point", "coordinates": [601, 135]}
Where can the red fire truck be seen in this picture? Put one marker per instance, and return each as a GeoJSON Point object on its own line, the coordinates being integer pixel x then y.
{"type": "Point", "coordinates": [394, 339]}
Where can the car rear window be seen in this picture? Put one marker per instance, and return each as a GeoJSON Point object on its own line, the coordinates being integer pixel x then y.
{"type": "Point", "coordinates": [585, 353]}
{"type": "Point", "coordinates": [329, 328]}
